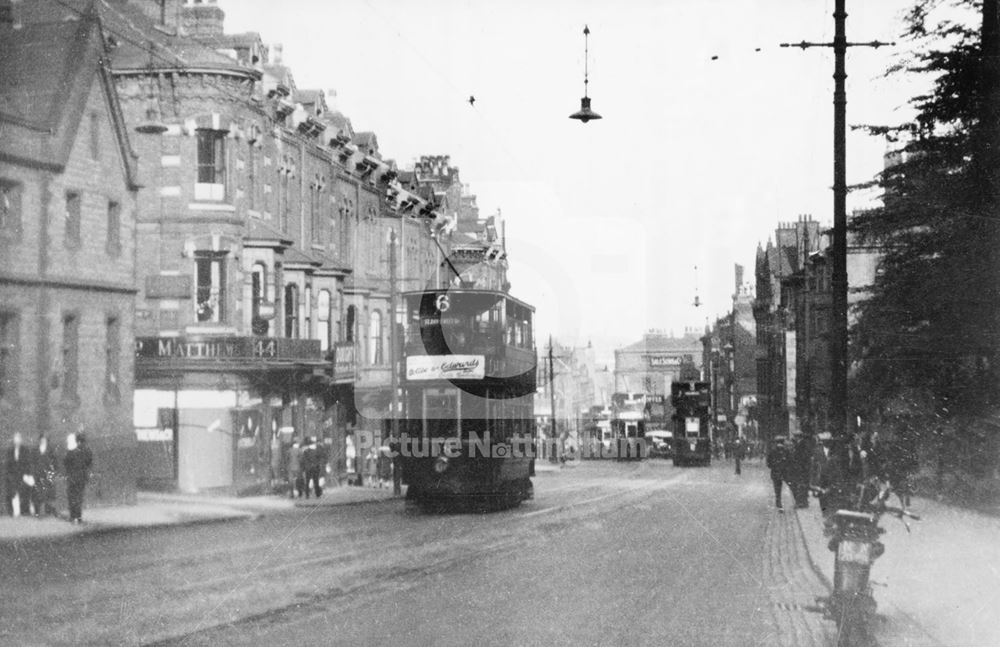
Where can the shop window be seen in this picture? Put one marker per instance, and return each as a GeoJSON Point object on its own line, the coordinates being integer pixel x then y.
{"type": "Point", "coordinates": [375, 355]}
{"type": "Point", "coordinates": [8, 355]}
{"type": "Point", "coordinates": [211, 165]}
{"type": "Point", "coordinates": [210, 297]}
{"type": "Point", "coordinates": [292, 311]}
{"type": "Point", "coordinates": [73, 215]}
{"type": "Point", "coordinates": [10, 207]}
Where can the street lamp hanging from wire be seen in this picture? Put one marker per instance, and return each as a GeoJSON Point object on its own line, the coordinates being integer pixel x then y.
{"type": "Point", "coordinates": [585, 114]}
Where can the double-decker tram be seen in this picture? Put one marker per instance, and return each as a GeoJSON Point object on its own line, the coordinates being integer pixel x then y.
{"type": "Point", "coordinates": [692, 432]}
{"type": "Point", "coordinates": [468, 389]}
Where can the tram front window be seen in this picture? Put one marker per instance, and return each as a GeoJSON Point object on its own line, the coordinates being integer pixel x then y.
{"type": "Point", "coordinates": [441, 413]}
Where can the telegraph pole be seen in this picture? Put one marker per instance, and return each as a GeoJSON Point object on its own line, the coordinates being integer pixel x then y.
{"type": "Point", "coordinates": [552, 402]}
{"type": "Point", "coordinates": [838, 328]}
{"type": "Point", "coordinates": [397, 486]}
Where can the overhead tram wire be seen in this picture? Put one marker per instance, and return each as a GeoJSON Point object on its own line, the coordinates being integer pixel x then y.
{"type": "Point", "coordinates": [495, 134]}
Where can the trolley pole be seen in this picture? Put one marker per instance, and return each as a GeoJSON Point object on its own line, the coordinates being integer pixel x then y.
{"type": "Point", "coordinates": [838, 279]}
{"type": "Point", "coordinates": [552, 402]}
{"type": "Point", "coordinates": [397, 486]}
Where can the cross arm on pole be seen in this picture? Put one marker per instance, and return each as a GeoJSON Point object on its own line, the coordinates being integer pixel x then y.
{"type": "Point", "coordinates": [872, 43]}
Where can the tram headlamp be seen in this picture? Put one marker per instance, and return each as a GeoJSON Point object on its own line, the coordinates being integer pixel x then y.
{"type": "Point", "coordinates": [441, 464]}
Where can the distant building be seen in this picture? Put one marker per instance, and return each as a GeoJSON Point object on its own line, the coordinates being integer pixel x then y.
{"type": "Point", "coordinates": [775, 324]}
{"type": "Point", "coordinates": [793, 312]}
{"type": "Point", "coordinates": [67, 247]}
{"type": "Point", "coordinates": [649, 366]}
{"type": "Point", "coordinates": [729, 358]}
{"type": "Point", "coordinates": [810, 300]}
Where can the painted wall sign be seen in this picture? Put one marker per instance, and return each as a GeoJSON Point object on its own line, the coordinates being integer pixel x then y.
{"type": "Point", "coordinates": [663, 360]}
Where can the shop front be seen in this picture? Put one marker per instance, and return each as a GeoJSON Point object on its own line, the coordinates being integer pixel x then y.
{"type": "Point", "coordinates": [217, 413]}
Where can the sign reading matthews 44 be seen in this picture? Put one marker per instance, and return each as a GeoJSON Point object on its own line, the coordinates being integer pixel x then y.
{"type": "Point", "coordinates": [224, 348]}
{"type": "Point", "coordinates": [445, 367]}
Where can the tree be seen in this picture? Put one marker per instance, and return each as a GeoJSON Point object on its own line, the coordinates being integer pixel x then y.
{"type": "Point", "coordinates": [930, 332]}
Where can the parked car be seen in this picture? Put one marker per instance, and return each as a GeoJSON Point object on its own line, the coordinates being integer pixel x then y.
{"type": "Point", "coordinates": [660, 444]}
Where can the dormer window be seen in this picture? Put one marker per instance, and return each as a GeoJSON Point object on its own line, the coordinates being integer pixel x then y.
{"type": "Point", "coordinates": [366, 165]}
{"type": "Point", "coordinates": [311, 127]}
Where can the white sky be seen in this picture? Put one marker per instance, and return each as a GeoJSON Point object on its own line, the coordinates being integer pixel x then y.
{"type": "Point", "coordinates": [694, 163]}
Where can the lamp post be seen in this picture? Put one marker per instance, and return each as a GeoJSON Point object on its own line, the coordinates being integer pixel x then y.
{"type": "Point", "coordinates": [394, 355]}
{"type": "Point", "coordinates": [838, 280]}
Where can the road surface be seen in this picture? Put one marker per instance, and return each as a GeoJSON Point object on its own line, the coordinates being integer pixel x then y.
{"type": "Point", "coordinates": [606, 554]}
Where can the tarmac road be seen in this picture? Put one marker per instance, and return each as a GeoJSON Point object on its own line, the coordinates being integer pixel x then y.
{"type": "Point", "coordinates": [606, 554]}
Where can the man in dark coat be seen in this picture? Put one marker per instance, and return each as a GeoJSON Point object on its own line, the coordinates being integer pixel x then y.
{"type": "Point", "coordinates": [17, 467]}
{"type": "Point", "coordinates": [313, 461]}
{"type": "Point", "coordinates": [739, 453]}
{"type": "Point", "coordinates": [77, 463]}
{"type": "Point", "coordinates": [798, 471]}
{"type": "Point", "coordinates": [777, 462]}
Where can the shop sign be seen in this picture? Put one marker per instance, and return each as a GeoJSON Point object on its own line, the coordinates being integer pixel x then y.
{"type": "Point", "coordinates": [226, 348]}
{"type": "Point", "coordinates": [344, 360]}
{"type": "Point", "coordinates": [153, 435]}
{"type": "Point", "coordinates": [445, 367]}
{"type": "Point", "coordinates": [663, 360]}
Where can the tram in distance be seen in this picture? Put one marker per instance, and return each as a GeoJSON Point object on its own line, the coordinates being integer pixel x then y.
{"type": "Point", "coordinates": [468, 435]}
{"type": "Point", "coordinates": [692, 433]}
{"type": "Point", "coordinates": [628, 426]}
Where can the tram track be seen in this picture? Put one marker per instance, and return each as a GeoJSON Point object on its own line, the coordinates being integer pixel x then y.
{"type": "Point", "coordinates": [404, 569]}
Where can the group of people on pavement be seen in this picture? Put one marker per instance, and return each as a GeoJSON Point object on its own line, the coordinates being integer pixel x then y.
{"type": "Point", "coordinates": [307, 466]}
{"type": "Point", "coordinates": [792, 463]}
{"type": "Point", "coordinates": [378, 465]}
{"type": "Point", "coordinates": [833, 468]}
{"type": "Point", "coordinates": [30, 474]}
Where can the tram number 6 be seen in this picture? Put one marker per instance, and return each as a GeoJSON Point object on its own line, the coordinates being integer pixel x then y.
{"type": "Point", "coordinates": [442, 303]}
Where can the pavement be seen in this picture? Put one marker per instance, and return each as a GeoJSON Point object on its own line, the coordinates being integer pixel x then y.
{"type": "Point", "coordinates": [937, 584]}
{"type": "Point", "coordinates": [157, 509]}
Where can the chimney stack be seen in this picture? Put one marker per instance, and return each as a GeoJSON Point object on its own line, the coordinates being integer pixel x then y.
{"type": "Point", "coordinates": [206, 18]}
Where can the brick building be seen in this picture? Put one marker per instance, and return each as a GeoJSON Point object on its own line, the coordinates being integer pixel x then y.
{"type": "Point", "coordinates": [269, 234]}
{"type": "Point", "coordinates": [67, 246]}
{"type": "Point", "coordinates": [263, 231]}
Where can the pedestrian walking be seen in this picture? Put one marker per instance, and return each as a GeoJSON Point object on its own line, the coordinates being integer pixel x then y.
{"type": "Point", "coordinates": [313, 460]}
{"type": "Point", "coordinates": [17, 467]}
{"type": "Point", "coordinates": [777, 462]}
{"type": "Point", "coordinates": [77, 463]}
{"type": "Point", "coordinates": [295, 482]}
{"type": "Point", "coordinates": [350, 455]}
{"type": "Point", "coordinates": [43, 494]}
{"type": "Point", "coordinates": [798, 468]}
{"type": "Point", "coordinates": [371, 466]}
{"type": "Point", "coordinates": [384, 464]}
{"type": "Point", "coordinates": [739, 453]}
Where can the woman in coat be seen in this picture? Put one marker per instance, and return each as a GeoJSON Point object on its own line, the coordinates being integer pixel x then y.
{"type": "Point", "coordinates": [43, 494]}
